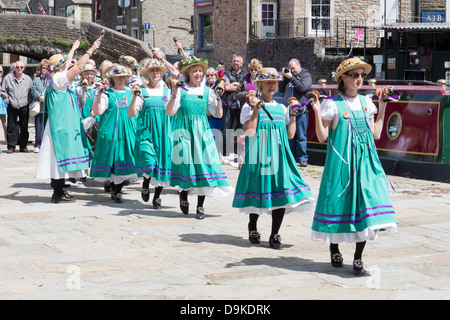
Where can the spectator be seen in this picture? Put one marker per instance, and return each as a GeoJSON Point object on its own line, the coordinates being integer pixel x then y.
{"type": "Point", "coordinates": [16, 92]}
{"type": "Point", "coordinates": [232, 106]}
{"type": "Point", "coordinates": [3, 108]}
{"type": "Point", "coordinates": [297, 83]}
{"type": "Point", "coordinates": [38, 94]}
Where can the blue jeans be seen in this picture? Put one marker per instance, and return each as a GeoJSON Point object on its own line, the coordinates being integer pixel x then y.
{"type": "Point", "coordinates": [299, 142]}
{"type": "Point", "coordinates": [39, 128]}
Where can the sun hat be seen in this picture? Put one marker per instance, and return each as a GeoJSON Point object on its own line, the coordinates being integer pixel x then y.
{"type": "Point", "coordinates": [191, 61]}
{"type": "Point", "coordinates": [266, 74]}
{"type": "Point", "coordinates": [152, 64]}
{"type": "Point", "coordinates": [88, 67]}
{"type": "Point", "coordinates": [56, 61]}
{"type": "Point", "coordinates": [117, 70]}
{"type": "Point", "coordinates": [129, 60]}
{"type": "Point", "coordinates": [350, 64]}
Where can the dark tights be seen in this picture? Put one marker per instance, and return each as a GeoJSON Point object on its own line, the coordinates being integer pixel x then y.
{"type": "Point", "coordinates": [334, 248]}
{"type": "Point", "coordinates": [146, 184]}
{"type": "Point", "coordinates": [277, 219]}
{"type": "Point", "coordinates": [200, 199]}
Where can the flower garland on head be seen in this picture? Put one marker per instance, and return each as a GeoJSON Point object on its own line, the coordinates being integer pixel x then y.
{"type": "Point", "coordinates": [118, 70]}
{"type": "Point", "coordinates": [153, 63]}
{"type": "Point", "coordinates": [59, 64]}
{"type": "Point", "coordinates": [192, 60]}
{"type": "Point", "coordinates": [129, 61]}
{"type": "Point", "coordinates": [259, 76]}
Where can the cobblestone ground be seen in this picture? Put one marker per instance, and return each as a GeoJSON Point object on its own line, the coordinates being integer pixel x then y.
{"type": "Point", "coordinates": [97, 249]}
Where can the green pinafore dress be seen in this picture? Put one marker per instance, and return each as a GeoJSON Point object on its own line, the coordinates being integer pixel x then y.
{"type": "Point", "coordinates": [269, 177]}
{"type": "Point", "coordinates": [116, 138]}
{"type": "Point", "coordinates": [353, 202]}
{"type": "Point", "coordinates": [70, 144]}
{"type": "Point", "coordinates": [153, 147]}
{"type": "Point", "coordinates": [195, 161]}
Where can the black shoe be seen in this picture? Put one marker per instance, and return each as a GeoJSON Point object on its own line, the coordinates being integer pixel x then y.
{"type": "Point", "coordinates": [358, 269]}
{"type": "Point", "coordinates": [117, 197]}
{"type": "Point", "coordinates": [62, 198]}
{"type": "Point", "coordinates": [156, 203]}
{"type": "Point", "coordinates": [107, 186]}
{"type": "Point", "coordinates": [145, 194]}
{"type": "Point", "coordinates": [254, 236]}
{"type": "Point", "coordinates": [200, 213]}
{"type": "Point", "coordinates": [184, 206]}
{"type": "Point", "coordinates": [68, 196]}
{"type": "Point", "coordinates": [275, 242]}
{"type": "Point", "coordinates": [336, 260]}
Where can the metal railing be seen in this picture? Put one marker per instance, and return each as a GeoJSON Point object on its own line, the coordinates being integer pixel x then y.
{"type": "Point", "coordinates": [334, 33]}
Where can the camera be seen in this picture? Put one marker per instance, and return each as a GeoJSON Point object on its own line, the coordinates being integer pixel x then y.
{"type": "Point", "coordinates": [286, 70]}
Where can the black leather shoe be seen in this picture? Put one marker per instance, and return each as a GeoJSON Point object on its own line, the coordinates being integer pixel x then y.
{"type": "Point", "coordinates": [62, 198]}
{"type": "Point", "coordinates": [68, 196]}
{"type": "Point", "coordinates": [254, 236]}
{"type": "Point", "coordinates": [117, 197]}
{"type": "Point", "coordinates": [107, 186]}
{"type": "Point", "coordinates": [358, 269]}
{"type": "Point", "coordinates": [336, 260]}
{"type": "Point", "coordinates": [275, 242]}
{"type": "Point", "coordinates": [156, 203]}
{"type": "Point", "coordinates": [184, 206]}
{"type": "Point", "coordinates": [145, 194]}
{"type": "Point", "coordinates": [200, 213]}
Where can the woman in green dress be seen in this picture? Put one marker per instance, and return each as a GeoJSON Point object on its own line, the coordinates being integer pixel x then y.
{"type": "Point", "coordinates": [153, 147]}
{"type": "Point", "coordinates": [353, 202]}
{"type": "Point", "coordinates": [65, 151]}
{"type": "Point", "coordinates": [196, 167]}
{"type": "Point", "coordinates": [114, 150]}
{"type": "Point", "coordinates": [269, 181]}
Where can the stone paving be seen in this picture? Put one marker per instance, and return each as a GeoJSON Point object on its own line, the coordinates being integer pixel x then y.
{"type": "Point", "coordinates": [97, 249]}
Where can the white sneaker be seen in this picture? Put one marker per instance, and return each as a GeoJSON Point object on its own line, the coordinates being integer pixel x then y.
{"type": "Point", "coordinates": [36, 150]}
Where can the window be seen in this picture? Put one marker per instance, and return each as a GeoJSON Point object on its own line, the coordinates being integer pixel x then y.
{"type": "Point", "coordinates": [268, 14]}
{"type": "Point", "coordinates": [320, 15]}
{"type": "Point", "coordinates": [206, 31]}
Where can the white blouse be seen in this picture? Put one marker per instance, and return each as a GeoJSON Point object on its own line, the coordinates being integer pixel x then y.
{"type": "Point", "coordinates": [247, 111]}
{"type": "Point", "coordinates": [196, 91]}
{"type": "Point", "coordinates": [329, 110]}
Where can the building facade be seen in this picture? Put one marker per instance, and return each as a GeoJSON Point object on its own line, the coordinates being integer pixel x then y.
{"type": "Point", "coordinates": [339, 28]}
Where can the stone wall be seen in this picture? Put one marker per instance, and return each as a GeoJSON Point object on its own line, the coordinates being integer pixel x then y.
{"type": "Point", "coordinates": [161, 15]}
{"type": "Point", "coordinates": [26, 31]}
{"type": "Point", "coordinates": [277, 53]}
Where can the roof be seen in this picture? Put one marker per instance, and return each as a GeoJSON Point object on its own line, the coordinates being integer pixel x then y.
{"type": "Point", "coordinates": [409, 26]}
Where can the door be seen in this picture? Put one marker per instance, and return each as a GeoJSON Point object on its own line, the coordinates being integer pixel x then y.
{"type": "Point", "coordinates": [268, 19]}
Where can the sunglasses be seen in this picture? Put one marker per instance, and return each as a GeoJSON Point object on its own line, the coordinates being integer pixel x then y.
{"type": "Point", "coordinates": [357, 75]}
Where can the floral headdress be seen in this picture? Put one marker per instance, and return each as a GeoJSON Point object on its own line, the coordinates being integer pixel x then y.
{"type": "Point", "coordinates": [118, 70]}
{"type": "Point", "coordinates": [57, 61]}
{"type": "Point", "coordinates": [265, 74]}
{"type": "Point", "coordinates": [132, 62]}
{"type": "Point", "coordinates": [151, 64]}
{"type": "Point", "coordinates": [350, 64]}
{"type": "Point", "coordinates": [190, 62]}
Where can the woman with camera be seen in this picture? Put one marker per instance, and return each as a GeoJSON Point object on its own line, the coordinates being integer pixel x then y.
{"type": "Point", "coordinates": [353, 202]}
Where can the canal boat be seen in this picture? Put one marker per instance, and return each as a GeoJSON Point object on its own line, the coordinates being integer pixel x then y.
{"type": "Point", "coordinates": [415, 141]}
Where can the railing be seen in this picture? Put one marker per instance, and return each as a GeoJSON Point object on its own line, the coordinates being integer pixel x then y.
{"type": "Point", "coordinates": [334, 33]}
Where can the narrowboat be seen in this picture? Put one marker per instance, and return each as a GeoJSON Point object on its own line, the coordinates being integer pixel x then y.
{"type": "Point", "coordinates": [415, 141]}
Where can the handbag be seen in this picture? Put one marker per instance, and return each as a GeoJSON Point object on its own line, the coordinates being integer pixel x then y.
{"type": "Point", "coordinates": [35, 108]}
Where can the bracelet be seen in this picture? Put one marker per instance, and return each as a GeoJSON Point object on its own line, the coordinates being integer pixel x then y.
{"type": "Point", "coordinates": [90, 54]}
{"type": "Point", "coordinates": [173, 96]}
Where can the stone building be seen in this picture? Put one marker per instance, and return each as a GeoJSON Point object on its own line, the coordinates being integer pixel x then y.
{"type": "Point", "coordinates": [317, 32]}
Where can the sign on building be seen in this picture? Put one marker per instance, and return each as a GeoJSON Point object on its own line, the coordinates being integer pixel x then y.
{"type": "Point", "coordinates": [433, 16]}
